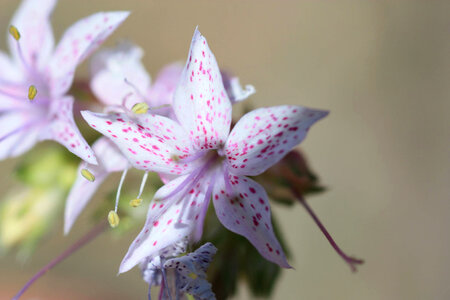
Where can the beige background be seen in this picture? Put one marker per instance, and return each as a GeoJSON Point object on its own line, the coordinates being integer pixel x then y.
{"type": "Point", "coordinates": [381, 67]}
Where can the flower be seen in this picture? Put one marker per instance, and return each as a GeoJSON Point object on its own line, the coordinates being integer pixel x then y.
{"type": "Point", "coordinates": [119, 76]}
{"type": "Point", "coordinates": [45, 73]}
{"type": "Point", "coordinates": [208, 159]}
{"type": "Point", "coordinates": [189, 273]}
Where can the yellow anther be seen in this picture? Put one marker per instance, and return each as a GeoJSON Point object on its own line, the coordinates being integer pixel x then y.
{"type": "Point", "coordinates": [175, 158]}
{"type": "Point", "coordinates": [192, 275]}
{"type": "Point", "coordinates": [140, 108]}
{"type": "Point", "coordinates": [32, 91]}
{"type": "Point", "coordinates": [113, 219]}
{"type": "Point", "coordinates": [88, 175]}
{"type": "Point", "coordinates": [136, 202]}
{"type": "Point", "coordinates": [14, 32]}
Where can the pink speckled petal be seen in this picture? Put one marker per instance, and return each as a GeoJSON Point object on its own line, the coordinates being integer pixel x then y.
{"type": "Point", "coordinates": [201, 103]}
{"type": "Point", "coordinates": [110, 159]}
{"type": "Point", "coordinates": [263, 136]}
{"type": "Point", "coordinates": [32, 19]}
{"type": "Point", "coordinates": [168, 221]}
{"type": "Point", "coordinates": [246, 212]}
{"type": "Point", "coordinates": [80, 40]}
{"type": "Point", "coordinates": [63, 129]}
{"type": "Point", "coordinates": [18, 133]}
{"type": "Point", "coordinates": [150, 142]}
{"type": "Point", "coordinates": [111, 67]}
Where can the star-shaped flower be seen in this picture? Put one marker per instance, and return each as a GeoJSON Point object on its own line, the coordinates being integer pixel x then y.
{"type": "Point", "coordinates": [210, 161]}
{"type": "Point", "coordinates": [34, 81]}
{"type": "Point", "coordinates": [120, 81]}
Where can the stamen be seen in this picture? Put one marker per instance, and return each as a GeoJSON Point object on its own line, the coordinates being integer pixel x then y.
{"type": "Point", "coordinates": [14, 32]}
{"type": "Point", "coordinates": [136, 90]}
{"type": "Point", "coordinates": [122, 179]}
{"type": "Point", "coordinates": [201, 220]}
{"type": "Point", "coordinates": [192, 275]}
{"type": "Point", "coordinates": [88, 175]}
{"type": "Point", "coordinates": [32, 92]}
{"type": "Point", "coordinates": [138, 201]}
{"type": "Point", "coordinates": [140, 108]}
{"type": "Point", "coordinates": [351, 261]}
{"type": "Point", "coordinates": [113, 219]}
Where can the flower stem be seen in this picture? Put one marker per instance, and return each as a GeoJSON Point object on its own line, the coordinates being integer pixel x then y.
{"type": "Point", "coordinates": [72, 249]}
{"type": "Point", "coordinates": [351, 261]}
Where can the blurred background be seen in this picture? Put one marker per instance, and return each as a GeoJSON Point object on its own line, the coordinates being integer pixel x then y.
{"type": "Point", "coordinates": [383, 70]}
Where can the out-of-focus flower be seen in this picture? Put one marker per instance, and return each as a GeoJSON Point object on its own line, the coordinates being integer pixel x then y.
{"type": "Point", "coordinates": [119, 80]}
{"type": "Point", "coordinates": [33, 83]}
{"type": "Point", "coordinates": [189, 272]}
{"type": "Point", "coordinates": [209, 160]}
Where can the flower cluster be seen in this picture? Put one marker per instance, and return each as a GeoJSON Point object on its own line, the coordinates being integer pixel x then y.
{"type": "Point", "coordinates": [179, 127]}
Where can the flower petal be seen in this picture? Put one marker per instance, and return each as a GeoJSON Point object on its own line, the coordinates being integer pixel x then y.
{"type": "Point", "coordinates": [246, 212]}
{"type": "Point", "coordinates": [150, 142]}
{"type": "Point", "coordinates": [19, 132]}
{"type": "Point", "coordinates": [32, 19]}
{"type": "Point", "coordinates": [111, 70]}
{"type": "Point", "coordinates": [263, 136]}
{"type": "Point", "coordinates": [168, 221]}
{"type": "Point", "coordinates": [235, 91]}
{"type": "Point", "coordinates": [63, 129]}
{"type": "Point", "coordinates": [80, 40]}
{"type": "Point", "coordinates": [110, 159]}
{"type": "Point", "coordinates": [11, 72]}
{"type": "Point", "coordinates": [162, 90]}
{"type": "Point", "coordinates": [201, 103]}
{"type": "Point", "coordinates": [80, 195]}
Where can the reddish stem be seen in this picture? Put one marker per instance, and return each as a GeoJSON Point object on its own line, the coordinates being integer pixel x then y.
{"type": "Point", "coordinates": [351, 261]}
{"type": "Point", "coordinates": [72, 249]}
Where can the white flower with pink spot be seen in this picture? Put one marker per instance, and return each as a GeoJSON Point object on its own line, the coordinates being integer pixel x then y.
{"type": "Point", "coordinates": [35, 61]}
{"type": "Point", "coordinates": [209, 161]}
